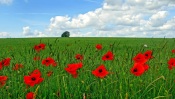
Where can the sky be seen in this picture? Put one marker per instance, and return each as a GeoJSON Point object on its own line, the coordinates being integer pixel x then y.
{"type": "Point", "coordinates": [87, 18]}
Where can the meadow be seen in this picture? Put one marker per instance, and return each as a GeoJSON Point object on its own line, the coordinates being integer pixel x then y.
{"type": "Point", "coordinates": [158, 82]}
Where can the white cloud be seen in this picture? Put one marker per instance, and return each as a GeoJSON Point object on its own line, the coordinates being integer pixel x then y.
{"type": "Point", "coordinates": [6, 2]}
{"type": "Point", "coordinates": [4, 35]}
{"type": "Point", "coordinates": [27, 32]}
{"type": "Point", "coordinates": [128, 18]}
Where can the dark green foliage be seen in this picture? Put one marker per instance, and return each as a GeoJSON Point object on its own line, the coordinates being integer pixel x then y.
{"type": "Point", "coordinates": [65, 34]}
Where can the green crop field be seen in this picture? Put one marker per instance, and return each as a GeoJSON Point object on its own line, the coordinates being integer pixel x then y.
{"type": "Point", "coordinates": [158, 82]}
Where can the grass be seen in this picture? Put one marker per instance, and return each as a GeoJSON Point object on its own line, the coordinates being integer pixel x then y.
{"type": "Point", "coordinates": [156, 83]}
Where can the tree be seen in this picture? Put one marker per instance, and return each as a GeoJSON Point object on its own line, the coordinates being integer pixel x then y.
{"type": "Point", "coordinates": [65, 34]}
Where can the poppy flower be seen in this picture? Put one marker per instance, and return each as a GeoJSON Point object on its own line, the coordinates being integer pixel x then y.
{"type": "Point", "coordinates": [171, 61]}
{"type": "Point", "coordinates": [33, 78]}
{"type": "Point", "coordinates": [6, 61]}
{"type": "Point", "coordinates": [72, 69]}
{"type": "Point", "coordinates": [79, 57]}
{"type": "Point", "coordinates": [148, 54]}
{"type": "Point", "coordinates": [30, 95]}
{"type": "Point", "coordinates": [49, 61]}
{"type": "Point", "coordinates": [173, 51]}
{"type": "Point", "coordinates": [39, 47]}
{"type": "Point", "coordinates": [17, 66]}
{"type": "Point", "coordinates": [170, 67]}
{"type": "Point", "coordinates": [3, 80]}
{"type": "Point", "coordinates": [49, 73]}
{"type": "Point", "coordinates": [36, 58]}
{"type": "Point", "coordinates": [140, 58]}
{"type": "Point", "coordinates": [108, 56]}
{"type": "Point", "coordinates": [1, 65]}
{"type": "Point", "coordinates": [100, 71]}
{"type": "Point", "coordinates": [146, 67]}
{"type": "Point", "coordinates": [98, 46]}
{"type": "Point", "coordinates": [138, 69]}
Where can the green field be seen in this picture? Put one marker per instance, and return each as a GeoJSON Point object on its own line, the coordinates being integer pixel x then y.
{"type": "Point", "coordinates": [156, 83]}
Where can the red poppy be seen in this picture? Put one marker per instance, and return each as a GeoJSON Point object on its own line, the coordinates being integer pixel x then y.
{"type": "Point", "coordinates": [30, 95]}
{"type": "Point", "coordinates": [17, 66]}
{"type": "Point", "coordinates": [138, 69]}
{"type": "Point", "coordinates": [171, 61]}
{"type": "Point", "coordinates": [98, 46]}
{"type": "Point", "coordinates": [49, 61]}
{"type": "Point", "coordinates": [100, 71]}
{"type": "Point", "coordinates": [33, 78]}
{"type": "Point", "coordinates": [140, 58]}
{"type": "Point", "coordinates": [1, 65]}
{"type": "Point", "coordinates": [170, 67]}
{"type": "Point", "coordinates": [79, 57]}
{"type": "Point", "coordinates": [108, 56]}
{"type": "Point", "coordinates": [3, 80]}
{"type": "Point", "coordinates": [6, 62]}
{"type": "Point", "coordinates": [39, 47]}
{"type": "Point", "coordinates": [72, 69]}
{"type": "Point", "coordinates": [49, 73]}
{"type": "Point", "coordinates": [146, 67]}
{"type": "Point", "coordinates": [173, 51]}
{"type": "Point", "coordinates": [36, 58]}
{"type": "Point", "coordinates": [148, 54]}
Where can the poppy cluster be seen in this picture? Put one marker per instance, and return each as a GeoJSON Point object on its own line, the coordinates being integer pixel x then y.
{"type": "Point", "coordinates": [72, 69]}
{"type": "Point", "coordinates": [4, 62]}
{"type": "Point", "coordinates": [39, 47]}
{"type": "Point", "coordinates": [34, 78]}
{"type": "Point", "coordinates": [140, 65]}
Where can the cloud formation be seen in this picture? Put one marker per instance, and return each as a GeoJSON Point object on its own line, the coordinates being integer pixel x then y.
{"type": "Point", "coordinates": [120, 18]}
{"type": "Point", "coordinates": [4, 35]}
{"type": "Point", "coordinates": [27, 32]}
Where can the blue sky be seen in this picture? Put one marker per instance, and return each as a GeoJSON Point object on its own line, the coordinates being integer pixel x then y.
{"type": "Point", "coordinates": [87, 18]}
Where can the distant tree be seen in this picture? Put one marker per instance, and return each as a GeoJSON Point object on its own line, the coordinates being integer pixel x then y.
{"type": "Point", "coordinates": [65, 34]}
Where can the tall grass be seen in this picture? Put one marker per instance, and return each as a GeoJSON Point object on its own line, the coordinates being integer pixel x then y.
{"type": "Point", "coordinates": [157, 82]}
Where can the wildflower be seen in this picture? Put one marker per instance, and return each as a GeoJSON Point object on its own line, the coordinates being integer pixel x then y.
{"type": "Point", "coordinates": [3, 80]}
{"type": "Point", "coordinates": [49, 73]}
{"type": "Point", "coordinates": [6, 61]}
{"type": "Point", "coordinates": [148, 54]}
{"type": "Point", "coordinates": [36, 58]}
{"type": "Point", "coordinates": [98, 46]}
{"type": "Point", "coordinates": [173, 51]}
{"type": "Point", "coordinates": [138, 69]}
{"type": "Point", "coordinates": [72, 69]}
{"type": "Point", "coordinates": [33, 78]}
{"type": "Point", "coordinates": [17, 66]}
{"type": "Point", "coordinates": [39, 47]}
{"type": "Point", "coordinates": [30, 95]}
{"type": "Point", "coordinates": [171, 61]}
{"type": "Point", "coordinates": [49, 61]}
{"type": "Point", "coordinates": [1, 65]}
{"type": "Point", "coordinates": [108, 56]}
{"type": "Point", "coordinates": [100, 71]}
{"type": "Point", "coordinates": [79, 57]}
{"type": "Point", "coordinates": [145, 45]}
{"type": "Point", "coordinates": [140, 58]}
